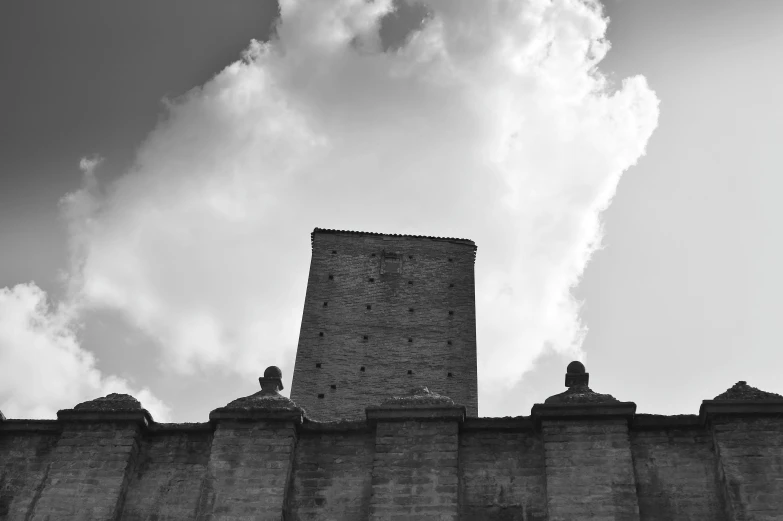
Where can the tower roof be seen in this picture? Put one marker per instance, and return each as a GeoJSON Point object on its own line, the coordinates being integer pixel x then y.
{"type": "Point", "coordinates": [401, 235]}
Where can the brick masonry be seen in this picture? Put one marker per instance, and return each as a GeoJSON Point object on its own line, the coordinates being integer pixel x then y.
{"type": "Point", "coordinates": [419, 330]}
{"type": "Point", "coordinates": [727, 468]}
{"type": "Point", "coordinates": [676, 471]}
{"type": "Point", "coordinates": [589, 470]}
{"type": "Point", "coordinates": [502, 471]}
{"type": "Point", "coordinates": [415, 471]}
{"type": "Point", "coordinates": [750, 466]}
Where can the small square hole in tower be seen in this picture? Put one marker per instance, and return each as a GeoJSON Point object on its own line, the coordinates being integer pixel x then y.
{"type": "Point", "coordinates": [451, 285]}
{"type": "Point", "coordinates": [361, 369]}
{"type": "Point", "coordinates": [450, 375]}
{"type": "Point", "coordinates": [326, 304]}
{"type": "Point", "coordinates": [321, 333]}
{"type": "Point", "coordinates": [449, 342]}
{"type": "Point", "coordinates": [451, 312]}
{"type": "Point", "coordinates": [451, 260]}
{"type": "Point", "coordinates": [366, 337]}
{"type": "Point", "coordinates": [331, 277]}
{"type": "Point", "coordinates": [318, 366]}
{"type": "Point", "coordinates": [410, 310]}
{"type": "Point", "coordinates": [333, 386]}
{"type": "Point", "coordinates": [410, 282]}
{"type": "Point", "coordinates": [334, 252]}
{"type": "Point", "coordinates": [410, 372]}
{"type": "Point", "coordinates": [410, 340]}
{"type": "Point", "coordinates": [320, 396]}
{"type": "Point", "coordinates": [369, 306]}
{"type": "Point", "coordinates": [371, 279]}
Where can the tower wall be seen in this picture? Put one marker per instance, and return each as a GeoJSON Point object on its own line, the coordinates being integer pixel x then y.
{"type": "Point", "coordinates": [401, 307]}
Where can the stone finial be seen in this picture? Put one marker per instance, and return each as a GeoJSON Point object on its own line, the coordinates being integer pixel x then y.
{"type": "Point", "coordinates": [112, 407]}
{"type": "Point", "coordinates": [742, 391]}
{"type": "Point", "coordinates": [272, 379]}
{"type": "Point", "coordinates": [111, 402]}
{"type": "Point", "coordinates": [418, 404]}
{"type": "Point", "coordinates": [576, 375]}
{"type": "Point", "coordinates": [266, 404]}
{"type": "Point", "coordinates": [741, 400]}
{"type": "Point", "coordinates": [418, 396]}
{"type": "Point", "coordinates": [578, 392]}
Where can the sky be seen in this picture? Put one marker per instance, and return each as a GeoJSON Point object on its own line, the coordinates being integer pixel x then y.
{"type": "Point", "coordinates": [160, 176]}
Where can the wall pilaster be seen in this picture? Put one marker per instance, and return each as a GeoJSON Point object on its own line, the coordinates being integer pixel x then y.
{"type": "Point", "coordinates": [252, 455]}
{"type": "Point", "coordinates": [747, 429]}
{"type": "Point", "coordinates": [589, 466]}
{"type": "Point", "coordinates": [415, 472]}
{"type": "Point", "coordinates": [92, 460]}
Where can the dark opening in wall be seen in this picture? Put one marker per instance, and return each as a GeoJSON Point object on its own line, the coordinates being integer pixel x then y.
{"type": "Point", "coordinates": [320, 396]}
{"type": "Point", "coordinates": [331, 277]}
{"type": "Point", "coordinates": [369, 306]}
{"type": "Point", "coordinates": [449, 342]}
{"type": "Point", "coordinates": [410, 340]}
{"type": "Point", "coordinates": [410, 310]}
{"type": "Point", "coordinates": [451, 260]}
{"type": "Point", "coordinates": [372, 279]}
{"type": "Point", "coordinates": [325, 304]}
{"type": "Point", "coordinates": [366, 337]}
{"type": "Point", "coordinates": [318, 366]}
{"type": "Point", "coordinates": [410, 257]}
{"type": "Point", "coordinates": [410, 282]}
{"type": "Point", "coordinates": [373, 255]}
{"type": "Point", "coordinates": [451, 285]}
{"type": "Point", "coordinates": [321, 333]}
{"type": "Point", "coordinates": [334, 251]}
{"type": "Point", "coordinates": [450, 375]}
{"type": "Point", "coordinates": [361, 369]}
{"type": "Point", "coordinates": [410, 372]}
{"type": "Point", "coordinates": [333, 386]}
{"type": "Point", "coordinates": [451, 312]}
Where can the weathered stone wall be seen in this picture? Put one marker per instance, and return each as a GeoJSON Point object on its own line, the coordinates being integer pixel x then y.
{"type": "Point", "coordinates": [674, 460]}
{"type": "Point", "coordinates": [589, 470]}
{"type": "Point", "coordinates": [89, 471]}
{"type": "Point", "coordinates": [25, 458]}
{"type": "Point", "coordinates": [502, 470]}
{"type": "Point", "coordinates": [750, 465]}
{"type": "Point", "coordinates": [415, 472]}
{"type": "Point", "coordinates": [168, 481]}
{"type": "Point", "coordinates": [480, 469]}
{"type": "Point", "coordinates": [410, 328]}
{"type": "Point", "coordinates": [332, 476]}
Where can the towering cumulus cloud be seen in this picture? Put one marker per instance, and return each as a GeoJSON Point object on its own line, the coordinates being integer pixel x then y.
{"type": "Point", "coordinates": [490, 121]}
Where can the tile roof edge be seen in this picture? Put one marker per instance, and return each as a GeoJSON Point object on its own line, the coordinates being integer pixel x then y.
{"type": "Point", "coordinates": [401, 235]}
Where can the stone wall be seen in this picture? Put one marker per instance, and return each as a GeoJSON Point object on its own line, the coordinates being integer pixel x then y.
{"type": "Point", "coordinates": [580, 456]}
{"type": "Point", "coordinates": [375, 326]}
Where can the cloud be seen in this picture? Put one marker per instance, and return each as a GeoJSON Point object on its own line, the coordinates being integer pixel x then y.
{"type": "Point", "coordinates": [490, 122]}
{"type": "Point", "coordinates": [43, 368]}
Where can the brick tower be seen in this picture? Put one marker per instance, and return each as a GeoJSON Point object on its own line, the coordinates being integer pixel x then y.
{"type": "Point", "coordinates": [384, 314]}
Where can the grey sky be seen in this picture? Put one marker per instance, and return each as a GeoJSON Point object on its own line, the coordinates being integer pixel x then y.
{"type": "Point", "coordinates": [682, 301]}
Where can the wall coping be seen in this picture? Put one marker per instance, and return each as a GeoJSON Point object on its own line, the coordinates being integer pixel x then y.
{"type": "Point", "coordinates": [738, 408]}
{"type": "Point", "coordinates": [507, 423]}
{"type": "Point", "coordinates": [642, 422]}
{"type": "Point", "coordinates": [257, 415]}
{"type": "Point", "coordinates": [334, 426]}
{"type": "Point", "coordinates": [30, 426]}
{"type": "Point", "coordinates": [583, 411]}
{"type": "Point", "coordinates": [420, 413]}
